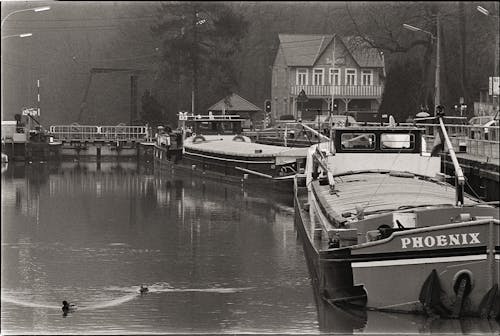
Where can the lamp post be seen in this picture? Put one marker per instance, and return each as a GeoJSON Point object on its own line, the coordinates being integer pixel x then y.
{"type": "Point", "coordinates": [486, 12]}
{"type": "Point", "coordinates": [36, 9]}
{"type": "Point", "coordinates": [437, 92]}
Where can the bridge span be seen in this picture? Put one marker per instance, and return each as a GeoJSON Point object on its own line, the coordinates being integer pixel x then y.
{"type": "Point", "coordinates": [93, 133]}
{"type": "Point", "coordinates": [95, 142]}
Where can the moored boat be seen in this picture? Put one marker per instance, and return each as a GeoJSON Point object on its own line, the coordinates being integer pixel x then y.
{"type": "Point", "coordinates": [213, 145]}
{"type": "Point", "coordinates": [383, 230]}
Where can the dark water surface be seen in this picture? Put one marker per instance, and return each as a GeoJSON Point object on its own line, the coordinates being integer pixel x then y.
{"type": "Point", "coordinates": [216, 258]}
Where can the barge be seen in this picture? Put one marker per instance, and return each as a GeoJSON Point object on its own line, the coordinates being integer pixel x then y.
{"type": "Point", "coordinates": [213, 146]}
{"type": "Point", "coordinates": [383, 229]}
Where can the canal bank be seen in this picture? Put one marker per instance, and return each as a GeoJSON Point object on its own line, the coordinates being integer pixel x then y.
{"type": "Point", "coordinates": [482, 174]}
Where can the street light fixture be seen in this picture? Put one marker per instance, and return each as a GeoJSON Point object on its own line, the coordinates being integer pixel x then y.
{"type": "Point", "coordinates": [483, 10]}
{"type": "Point", "coordinates": [17, 35]}
{"type": "Point", "coordinates": [413, 28]}
{"type": "Point", "coordinates": [36, 9]}
{"type": "Point", "coordinates": [41, 9]}
{"type": "Point", "coordinates": [437, 92]}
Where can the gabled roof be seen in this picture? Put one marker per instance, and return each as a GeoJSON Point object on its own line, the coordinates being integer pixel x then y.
{"type": "Point", "coordinates": [304, 50]}
{"type": "Point", "coordinates": [234, 103]}
{"type": "Point", "coordinates": [362, 52]}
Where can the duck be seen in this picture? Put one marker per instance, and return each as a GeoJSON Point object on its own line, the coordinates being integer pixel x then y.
{"type": "Point", "coordinates": [67, 307]}
{"type": "Point", "coordinates": [143, 289]}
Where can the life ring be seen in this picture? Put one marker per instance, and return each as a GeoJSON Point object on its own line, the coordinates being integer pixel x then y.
{"type": "Point", "coordinates": [239, 138]}
{"type": "Point", "coordinates": [199, 138]}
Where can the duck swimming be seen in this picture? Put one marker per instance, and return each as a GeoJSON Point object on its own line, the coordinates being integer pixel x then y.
{"type": "Point", "coordinates": [67, 307]}
{"type": "Point", "coordinates": [143, 289]}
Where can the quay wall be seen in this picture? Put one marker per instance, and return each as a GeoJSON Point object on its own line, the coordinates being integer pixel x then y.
{"type": "Point", "coordinates": [483, 178]}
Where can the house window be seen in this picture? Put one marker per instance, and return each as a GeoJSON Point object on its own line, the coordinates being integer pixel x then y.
{"type": "Point", "coordinates": [350, 76]}
{"type": "Point", "coordinates": [366, 77]}
{"type": "Point", "coordinates": [318, 76]}
{"type": "Point", "coordinates": [302, 77]}
{"type": "Point", "coordinates": [334, 76]}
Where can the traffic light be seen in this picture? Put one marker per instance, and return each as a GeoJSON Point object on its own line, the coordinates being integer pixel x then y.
{"type": "Point", "coordinates": [267, 106]}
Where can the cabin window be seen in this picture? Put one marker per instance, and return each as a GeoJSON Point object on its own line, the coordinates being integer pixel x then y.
{"type": "Point", "coordinates": [366, 77]}
{"type": "Point", "coordinates": [358, 141]}
{"type": "Point", "coordinates": [397, 141]}
{"type": "Point", "coordinates": [334, 76]}
{"type": "Point", "coordinates": [302, 77]}
{"type": "Point", "coordinates": [318, 76]}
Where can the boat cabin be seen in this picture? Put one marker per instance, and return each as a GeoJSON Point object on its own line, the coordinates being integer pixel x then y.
{"type": "Point", "coordinates": [377, 140]}
{"type": "Point", "coordinates": [211, 124]}
{"type": "Point", "coordinates": [369, 148]}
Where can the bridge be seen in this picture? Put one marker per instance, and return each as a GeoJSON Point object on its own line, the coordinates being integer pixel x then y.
{"type": "Point", "coordinates": [92, 133]}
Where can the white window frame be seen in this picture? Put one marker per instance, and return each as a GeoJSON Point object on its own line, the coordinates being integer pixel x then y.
{"type": "Point", "coordinates": [347, 75]}
{"type": "Point", "coordinates": [318, 71]}
{"type": "Point", "coordinates": [300, 71]}
{"type": "Point", "coordinates": [364, 75]}
{"type": "Point", "coordinates": [334, 74]}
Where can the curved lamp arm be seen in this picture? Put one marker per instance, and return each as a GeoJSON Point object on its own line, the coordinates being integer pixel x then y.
{"type": "Point", "coordinates": [36, 9]}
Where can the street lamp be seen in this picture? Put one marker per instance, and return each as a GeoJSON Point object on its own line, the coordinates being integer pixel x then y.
{"type": "Point", "coordinates": [36, 9]}
{"type": "Point", "coordinates": [17, 35]}
{"type": "Point", "coordinates": [437, 92]}
{"type": "Point", "coordinates": [486, 12]}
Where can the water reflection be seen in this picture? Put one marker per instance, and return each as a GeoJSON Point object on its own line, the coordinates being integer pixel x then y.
{"type": "Point", "coordinates": [215, 257]}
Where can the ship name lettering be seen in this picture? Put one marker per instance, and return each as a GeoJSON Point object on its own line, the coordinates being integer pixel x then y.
{"type": "Point", "coordinates": [441, 240]}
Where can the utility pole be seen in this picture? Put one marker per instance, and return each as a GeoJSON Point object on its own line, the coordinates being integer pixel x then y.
{"type": "Point", "coordinates": [194, 61]}
{"type": "Point", "coordinates": [333, 75]}
{"type": "Point", "coordinates": [496, 98]}
{"type": "Point", "coordinates": [437, 98]}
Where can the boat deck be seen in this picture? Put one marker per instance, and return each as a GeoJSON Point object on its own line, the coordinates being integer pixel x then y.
{"type": "Point", "coordinates": [377, 192]}
{"type": "Point", "coordinates": [225, 145]}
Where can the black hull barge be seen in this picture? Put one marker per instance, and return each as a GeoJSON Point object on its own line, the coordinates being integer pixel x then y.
{"type": "Point", "coordinates": [217, 150]}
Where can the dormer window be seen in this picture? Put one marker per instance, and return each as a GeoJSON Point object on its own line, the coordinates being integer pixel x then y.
{"type": "Point", "coordinates": [302, 77]}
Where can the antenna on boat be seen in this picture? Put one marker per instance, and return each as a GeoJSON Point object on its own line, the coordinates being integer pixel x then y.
{"type": "Point", "coordinates": [459, 175]}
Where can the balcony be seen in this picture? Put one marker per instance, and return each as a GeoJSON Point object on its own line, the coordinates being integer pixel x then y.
{"type": "Point", "coordinates": [339, 91]}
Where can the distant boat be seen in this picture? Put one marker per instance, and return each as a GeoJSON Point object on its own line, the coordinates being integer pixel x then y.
{"type": "Point", "coordinates": [213, 145]}
{"type": "Point", "coordinates": [382, 231]}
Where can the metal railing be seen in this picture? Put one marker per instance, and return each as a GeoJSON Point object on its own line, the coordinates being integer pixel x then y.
{"type": "Point", "coordinates": [98, 133]}
{"type": "Point", "coordinates": [343, 91]}
{"type": "Point", "coordinates": [480, 141]}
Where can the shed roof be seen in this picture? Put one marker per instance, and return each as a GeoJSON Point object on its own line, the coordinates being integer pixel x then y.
{"type": "Point", "coordinates": [304, 50]}
{"type": "Point", "coordinates": [234, 102]}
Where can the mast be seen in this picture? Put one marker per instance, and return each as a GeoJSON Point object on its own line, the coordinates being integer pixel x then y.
{"type": "Point", "coordinates": [459, 175]}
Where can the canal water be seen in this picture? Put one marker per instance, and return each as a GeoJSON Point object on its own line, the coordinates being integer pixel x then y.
{"type": "Point", "coordinates": [217, 258]}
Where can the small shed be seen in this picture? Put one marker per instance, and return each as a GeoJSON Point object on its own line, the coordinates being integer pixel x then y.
{"type": "Point", "coordinates": [235, 104]}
